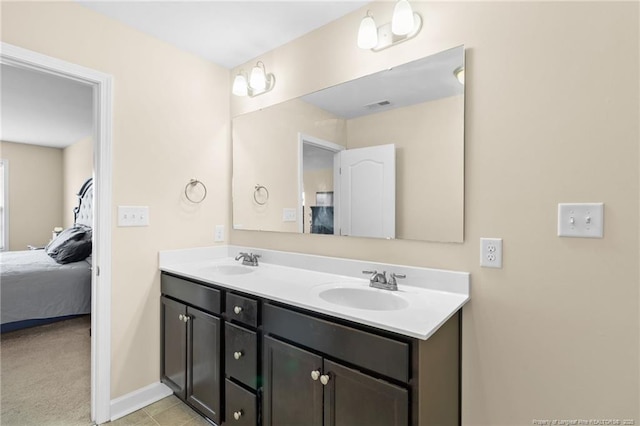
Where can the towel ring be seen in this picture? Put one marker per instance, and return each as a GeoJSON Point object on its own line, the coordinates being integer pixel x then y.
{"type": "Point", "coordinates": [193, 183]}
{"type": "Point", "coordinates": [256, 193]}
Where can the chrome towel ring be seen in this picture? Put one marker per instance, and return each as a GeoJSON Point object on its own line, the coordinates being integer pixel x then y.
{"type": "Point", "coordinates": [261, 195]}
{"type": "Point", "coordinates": [191, 185]}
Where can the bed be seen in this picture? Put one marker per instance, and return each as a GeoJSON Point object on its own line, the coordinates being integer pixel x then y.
{"type": "Point", "coordinates": [35, 289]}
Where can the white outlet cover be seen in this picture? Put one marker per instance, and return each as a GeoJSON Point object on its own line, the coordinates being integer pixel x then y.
{"type": "Point", "coordinates": [219, 234]}
{"type": "Point", "coordinates": [491, 252]}
{"type": "Point", "coordinates": [581, 220]}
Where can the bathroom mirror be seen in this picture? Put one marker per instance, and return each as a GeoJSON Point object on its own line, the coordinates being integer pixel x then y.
{"type": "Point", "coordinates": [380, 156]}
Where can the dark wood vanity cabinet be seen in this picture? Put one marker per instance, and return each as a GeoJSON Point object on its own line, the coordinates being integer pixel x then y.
{"type": "Point", "coordinates": [302, 387]}
{"type": "Point", "coordinates": [242, 352]}
{"type": "Point", "coordinates": [244, 361]}
{"type": "Point", "coordinates": [191, 342]}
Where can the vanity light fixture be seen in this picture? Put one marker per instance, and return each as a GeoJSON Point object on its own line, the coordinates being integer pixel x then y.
{"type": "Point", "coordinates": [459, 73]}
{"type": "Point", "coordinates": [405, 25]}
{"type": "Point", "coordinates": [259, 82]}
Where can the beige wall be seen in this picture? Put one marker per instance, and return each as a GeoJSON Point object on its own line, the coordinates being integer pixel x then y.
{"type": "Point", "coordinates": [268, 155]}
{"type": "Point", "coordinates": [35, 193]}
{"type": "Point", "coordinates": [429, 165]}
{"type": "Point", "coordinates": [171, 123]}
{"type": "Point", "coordinates": [77, 160]}
{"type": "Point", "coordinates": [551, 115]}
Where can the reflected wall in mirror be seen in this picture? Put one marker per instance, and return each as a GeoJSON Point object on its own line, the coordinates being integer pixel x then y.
{"type": "Point", "coordinates": [380, 156]}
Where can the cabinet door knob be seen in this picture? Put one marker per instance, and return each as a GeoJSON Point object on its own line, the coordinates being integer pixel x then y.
{"type": "Point", "coordinates": [324, 379]}
{"type": "Point", "coordinates": [237, 415]}
{"type": "Point", "coordinates": [186, 318]}
{"type": "Point", "coordinates": [181, 317]}
{"type": "Point", "coordinates": [237, 309]}
{"type": "Point", "coordinates": [237, 355]}
{"type": "Point", "coordinates": [315, 374]}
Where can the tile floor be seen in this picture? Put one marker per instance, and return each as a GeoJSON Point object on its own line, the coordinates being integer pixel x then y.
{"type": "Point", "coordinates": [169, 411]}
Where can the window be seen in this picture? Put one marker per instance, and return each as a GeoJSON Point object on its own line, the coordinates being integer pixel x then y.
{"type": "Point", "coordinates": [4, 206]}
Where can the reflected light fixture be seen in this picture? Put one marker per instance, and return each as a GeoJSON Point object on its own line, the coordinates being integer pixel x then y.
{"type": "Point", "coordinates": [259, 82]}
{"type": "Point", "coordinates": [368, 33]}
{"type": "Point", "coordinates": [405, 25]}
{"type": "Point", "coordinates": [459, 73]}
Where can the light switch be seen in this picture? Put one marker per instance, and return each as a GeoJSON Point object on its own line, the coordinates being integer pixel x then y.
{"type": "Point", "coordinates": [133, 216]}
{"type": "Point", "coordinates": [289, 215]}
{"type": "Point", "coordinates": [582, 220]}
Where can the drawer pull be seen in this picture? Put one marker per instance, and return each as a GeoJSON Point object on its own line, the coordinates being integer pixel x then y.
{"type": "Point", "coordinates": [315, 374]}
{"type": "Point", "coordinates": [237, 309]}
{"type": "Point", "coordinates": [324, 379]}
{"type": "Point", "coordinates": [237, 355]}
{"type": "Point", "coordinates": [237, 415]}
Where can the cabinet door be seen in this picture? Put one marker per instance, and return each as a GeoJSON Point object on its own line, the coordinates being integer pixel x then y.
{"type": "Point", "coordinates": [203, 363]}
{"type": "Point", "coordinates": [291, 397]}
{"type": "Point", "coordinates": [354, 398]}
{"type": "Point", "coordinates": [174, 350]}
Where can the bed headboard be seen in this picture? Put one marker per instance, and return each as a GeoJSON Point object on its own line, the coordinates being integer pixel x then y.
{"type": "Point", "coordinates": [83, 214]}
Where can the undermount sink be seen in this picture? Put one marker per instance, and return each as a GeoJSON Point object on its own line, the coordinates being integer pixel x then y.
{"type": "Point", "coordinates": [232, 269]}
{"type": "Point", "coordinates": [364, 298]}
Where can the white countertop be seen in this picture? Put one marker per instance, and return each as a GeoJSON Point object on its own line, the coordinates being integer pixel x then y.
{"type": "Point", "coordinates": [433, 295]}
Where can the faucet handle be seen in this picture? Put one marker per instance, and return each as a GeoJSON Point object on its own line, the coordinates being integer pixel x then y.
{"type": "Point", "coordinates": [370, 272]}
{"type": "Point", "coordinates": [393, 276]}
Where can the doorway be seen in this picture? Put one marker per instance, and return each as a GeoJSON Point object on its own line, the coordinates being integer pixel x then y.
{"type": "Point", "coordinates": [101, 273]}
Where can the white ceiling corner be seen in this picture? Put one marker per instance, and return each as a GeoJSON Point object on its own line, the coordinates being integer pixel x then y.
{"type": "Point", "coordinates": [228, 33]}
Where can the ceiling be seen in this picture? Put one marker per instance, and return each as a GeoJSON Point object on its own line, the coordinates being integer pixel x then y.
{"type": "Point", "coordinates": [43, 109]}
{"type": "Point", "coordinates": [228, 33]}
{"type": "Point", "coordinates": [50, 111]}
{"type": "Point", "coordinates": [422, 80]}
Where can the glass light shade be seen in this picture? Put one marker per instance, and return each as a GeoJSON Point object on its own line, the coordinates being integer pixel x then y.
{"type": "Point", "coordinates": [459, 73]}
{"type": "Point", "coordinates": [239, 87]}
{"type": "Point", "coordinates": [258, 80]}
{"type": "Point", "coordinates": [402, 21]}
{"type": "Point", "coordinates": [368, 33]}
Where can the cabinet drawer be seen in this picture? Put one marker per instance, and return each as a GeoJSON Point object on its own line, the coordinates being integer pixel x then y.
{"type": "Point", "coordinates": [241, 404]}
{"type": "Point", "coordinates": [367, 350]}
{"type": "Point", "coordinates": [242, 309]}
{"type": "Point", "coordinates": [192, 293]}
{"type": "Point", "coordinates": [241, 355]}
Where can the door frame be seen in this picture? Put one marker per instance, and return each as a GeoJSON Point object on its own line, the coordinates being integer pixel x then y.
{"type": "Point", "coordinates": [329, 146]}
{"type": "Point", "coordinates": [102, 165]}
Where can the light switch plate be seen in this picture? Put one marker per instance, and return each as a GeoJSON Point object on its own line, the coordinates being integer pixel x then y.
{"type": "Point", "coordinates": [288, 215]}
{"type": "Point", "coordinates": [582, 220]}
{"type": "Point", "coordinates": [133, 216]}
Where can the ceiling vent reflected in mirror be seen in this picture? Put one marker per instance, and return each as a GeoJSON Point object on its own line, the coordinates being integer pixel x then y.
{"type": "Point", "coordinates": [405, 25]}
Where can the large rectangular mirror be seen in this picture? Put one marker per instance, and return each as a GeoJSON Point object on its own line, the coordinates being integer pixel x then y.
{"type": "Point", "coordinates": [380, 156]}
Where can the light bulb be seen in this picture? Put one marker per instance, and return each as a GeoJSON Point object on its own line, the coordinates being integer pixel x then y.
{"type": "Point", "coordinates": [257, 80]}
{"type": "Point", "coordinates": [402, 21]}
{"type": "Point", "coordinates": [368, 33]}
{"type": "Point", "coordinates": [240, 86]}
{"type": "Point", "coordinates": [459, 73]}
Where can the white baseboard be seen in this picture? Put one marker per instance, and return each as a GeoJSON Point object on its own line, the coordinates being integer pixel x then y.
{"type": "Point", "coordinates": [133, 401]}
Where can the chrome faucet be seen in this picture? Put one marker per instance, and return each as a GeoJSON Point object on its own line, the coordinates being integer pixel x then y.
{"type": "Point", "coordinates": [248, 259]}
{"type": "Point", "coordinates": [380, 280]}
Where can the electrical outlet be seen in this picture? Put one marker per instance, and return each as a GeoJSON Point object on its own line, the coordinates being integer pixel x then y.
{"type": "Point", "coordinates": [491, 252]}
{"type": "Point", "coordinates": [219, 235]}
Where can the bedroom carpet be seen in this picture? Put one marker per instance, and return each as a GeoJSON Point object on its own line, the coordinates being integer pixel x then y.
{"type": "Point", "coordinates": [45, 375]}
